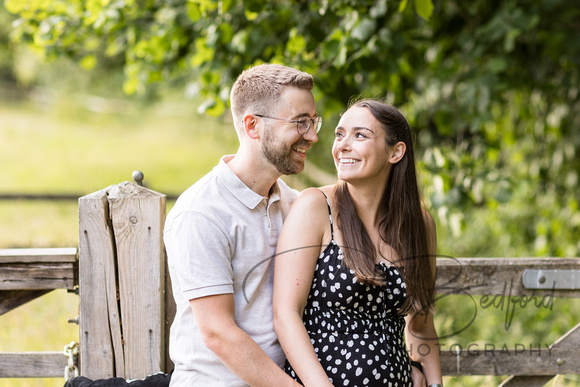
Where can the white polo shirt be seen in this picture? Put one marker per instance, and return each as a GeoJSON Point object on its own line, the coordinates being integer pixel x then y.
{"type": "Point", "coordinates": [221, 238]}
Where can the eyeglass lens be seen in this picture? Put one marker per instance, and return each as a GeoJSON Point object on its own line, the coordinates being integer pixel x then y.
{"type": "Point", "coordinates": [303, 124]}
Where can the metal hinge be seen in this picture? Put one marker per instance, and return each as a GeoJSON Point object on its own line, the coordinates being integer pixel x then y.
{"type": "Point", "coordinates": [551, 279]}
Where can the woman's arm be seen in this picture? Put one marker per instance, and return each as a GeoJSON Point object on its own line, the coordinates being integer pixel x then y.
{"type": "Point", "coordinates": [420, 332]}
{"type": "Point", "coordinates": [299, 245]}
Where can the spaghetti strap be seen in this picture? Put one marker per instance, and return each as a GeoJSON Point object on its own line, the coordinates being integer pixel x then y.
{"type": "Point", "coordinates": [329, 215]}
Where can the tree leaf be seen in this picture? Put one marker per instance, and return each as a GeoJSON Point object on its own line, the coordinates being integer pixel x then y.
{"type": "Point", "coordinates": [424, 8]}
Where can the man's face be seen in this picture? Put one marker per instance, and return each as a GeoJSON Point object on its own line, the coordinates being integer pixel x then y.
{"type": "Point", "coordinates": [282, 145]}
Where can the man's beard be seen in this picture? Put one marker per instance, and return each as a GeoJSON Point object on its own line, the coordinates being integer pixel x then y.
{"type": "Point", "coordinates": [280, 156]}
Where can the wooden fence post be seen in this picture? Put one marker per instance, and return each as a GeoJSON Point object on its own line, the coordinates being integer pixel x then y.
{"type": "Point", "coordinates": [122, 282]}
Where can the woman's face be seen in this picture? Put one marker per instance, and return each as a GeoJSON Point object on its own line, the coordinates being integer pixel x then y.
{"type": "Point", "coordinates": [360, 151]}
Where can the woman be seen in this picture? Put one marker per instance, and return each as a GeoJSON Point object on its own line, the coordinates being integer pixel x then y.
{"type": "Point", "coordinates": [346, 294]}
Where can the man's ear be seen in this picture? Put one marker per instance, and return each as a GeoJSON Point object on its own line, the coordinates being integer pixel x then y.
{"type": "Point", "coordinates": [250, 122]}
{"type": "Point", "coordinates": [398, 151]}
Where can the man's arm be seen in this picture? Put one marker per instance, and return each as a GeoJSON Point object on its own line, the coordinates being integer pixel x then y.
{"type": "Point", "coordinates": [237, 350]}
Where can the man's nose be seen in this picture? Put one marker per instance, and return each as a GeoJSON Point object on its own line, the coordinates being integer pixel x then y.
{"type": "Point", "coordinates": [310, 135]}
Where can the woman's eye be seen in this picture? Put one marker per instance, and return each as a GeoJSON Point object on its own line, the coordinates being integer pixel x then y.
{"type": "Point", "coordinates": [360, 135]}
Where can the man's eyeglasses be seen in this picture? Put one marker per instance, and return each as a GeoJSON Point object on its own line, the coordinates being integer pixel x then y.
{"type": "Point", "coordinates": [302, 125]}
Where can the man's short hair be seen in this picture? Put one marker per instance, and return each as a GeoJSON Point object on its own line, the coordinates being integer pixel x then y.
{"type": "Point", "coordinates": [258, 88]}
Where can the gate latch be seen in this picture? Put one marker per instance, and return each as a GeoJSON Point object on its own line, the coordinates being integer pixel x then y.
{"type": "Point", "coordinates": [551, 279]}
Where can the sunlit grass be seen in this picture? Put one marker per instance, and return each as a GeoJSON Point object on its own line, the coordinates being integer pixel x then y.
{"type": "Point", "coordinates": [38, 224]}
{"type": "Point", "coordinates": [46, 152]}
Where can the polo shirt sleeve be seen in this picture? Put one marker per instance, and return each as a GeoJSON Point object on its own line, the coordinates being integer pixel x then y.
{"type": "Point", "coordinates": [199, 250]}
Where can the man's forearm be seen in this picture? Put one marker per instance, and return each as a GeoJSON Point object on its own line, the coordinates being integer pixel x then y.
{"type": "Point", "coordinates": [246, 359]}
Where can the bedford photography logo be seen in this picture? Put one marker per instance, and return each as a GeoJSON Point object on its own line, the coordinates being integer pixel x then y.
{"type": "Point", "coordinates": [503, 301]}
{"type": "Point", "coordinates": [452, 284]}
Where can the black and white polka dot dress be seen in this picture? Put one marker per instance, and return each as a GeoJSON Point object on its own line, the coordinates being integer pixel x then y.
{"type": "Point", "coordinates": [357, 330]}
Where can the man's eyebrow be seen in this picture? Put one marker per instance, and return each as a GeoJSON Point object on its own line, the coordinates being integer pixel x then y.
{"type": "Point", "coordinates": [303, 115]}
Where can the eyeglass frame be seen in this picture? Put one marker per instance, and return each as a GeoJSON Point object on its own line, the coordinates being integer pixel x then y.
{"type": "Point", "coordinates": [298, 122]}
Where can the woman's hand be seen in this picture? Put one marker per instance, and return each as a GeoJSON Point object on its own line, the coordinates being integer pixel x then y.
{"type": "Point", "coordinates": [417, 377]}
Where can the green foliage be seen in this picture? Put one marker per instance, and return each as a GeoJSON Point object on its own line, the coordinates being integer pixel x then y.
{"type": "Point", "coordinates": [208, 42]}
{"type": "Point", "coordinates": [6, 49]}
{"type": "Point", "coordinates": [491, 86]}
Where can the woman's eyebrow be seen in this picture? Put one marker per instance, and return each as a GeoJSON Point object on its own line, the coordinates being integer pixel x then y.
{"type": "Point", "coordinates": [356, 128]}
{"type": "Point", "coordinates": [363, 128]}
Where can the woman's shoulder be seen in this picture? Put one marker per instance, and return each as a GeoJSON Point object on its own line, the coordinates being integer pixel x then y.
{"type": "Point", "coordinates": [308, 218]}
{"type": "Point", "coordinates": [312, 201]}
{"type": "Point", "coordinates": [315, 196]}
{"type": "Point", "coordinates": [325, 193]}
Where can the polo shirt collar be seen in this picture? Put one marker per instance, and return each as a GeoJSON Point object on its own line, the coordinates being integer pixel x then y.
{"type": "Point", "coordinates": [237, 187]}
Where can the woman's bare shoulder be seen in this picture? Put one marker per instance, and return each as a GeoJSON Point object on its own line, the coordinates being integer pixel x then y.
{"type": "Point", "coordinates": [308, 201]}
{"type": "Point", "coordinates": [312, 203]}
{"type": "Point", "coordinates": [314, 196]}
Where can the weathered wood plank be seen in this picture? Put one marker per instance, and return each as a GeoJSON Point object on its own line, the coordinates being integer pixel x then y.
{"type": "Point", "coordinates": [512, 361]}
{"type": "Point", "coordinates": [41, 275]}
{"type": "Point", "coordinates": [64, 254]}
{"type": "Point", "coordinates": [492, 276]}
{"type": "Point", "coordinates": [11, 299]}
{"type": "Point", "coordinates": [137, 216]}
{"type": "Point", "coordinates": [100, 328]}
{"type": "Point", "coordinates": [571, 340]}
{"type": "Point", "coordinates": [32, 364]}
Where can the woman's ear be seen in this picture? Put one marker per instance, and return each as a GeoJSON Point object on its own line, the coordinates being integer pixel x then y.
{"type": "Point", "coordinates": [251, 126]}
{"type": "Point", "coordinates": [398, 151]}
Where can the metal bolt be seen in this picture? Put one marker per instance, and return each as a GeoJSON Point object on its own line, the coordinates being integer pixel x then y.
{"type": "Point", "coordinates": [542, 279]}
{"type": "Point", "coordinates": [74, 320]}
{"type": "Point", "coordinates": [560, 362]}
{"type": "Point", "coordinates": [138, 177]}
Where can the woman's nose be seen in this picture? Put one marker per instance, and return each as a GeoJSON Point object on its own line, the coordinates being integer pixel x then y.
{"type": "Point", "coordinates": [343, 144]}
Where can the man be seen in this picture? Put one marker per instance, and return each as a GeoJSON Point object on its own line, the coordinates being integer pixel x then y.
{"type": "Point", "coordinates": [221, 237]}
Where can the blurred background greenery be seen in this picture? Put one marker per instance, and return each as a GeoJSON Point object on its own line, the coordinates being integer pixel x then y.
{"type": "Point", "coordinates": [92, 90]}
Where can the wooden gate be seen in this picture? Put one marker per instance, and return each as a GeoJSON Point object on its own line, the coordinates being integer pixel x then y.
{"type": "Point", "coordinates": [511, 278]}
{"type": "Point", "coordinates": [26, 274]}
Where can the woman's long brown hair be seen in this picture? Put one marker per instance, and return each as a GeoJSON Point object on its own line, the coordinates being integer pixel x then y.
{"type": "Point", "coordinates": [401, 225]}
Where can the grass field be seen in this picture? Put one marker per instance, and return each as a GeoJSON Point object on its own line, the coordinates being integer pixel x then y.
{"type": "Point", "coordinates": [68, 150]}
